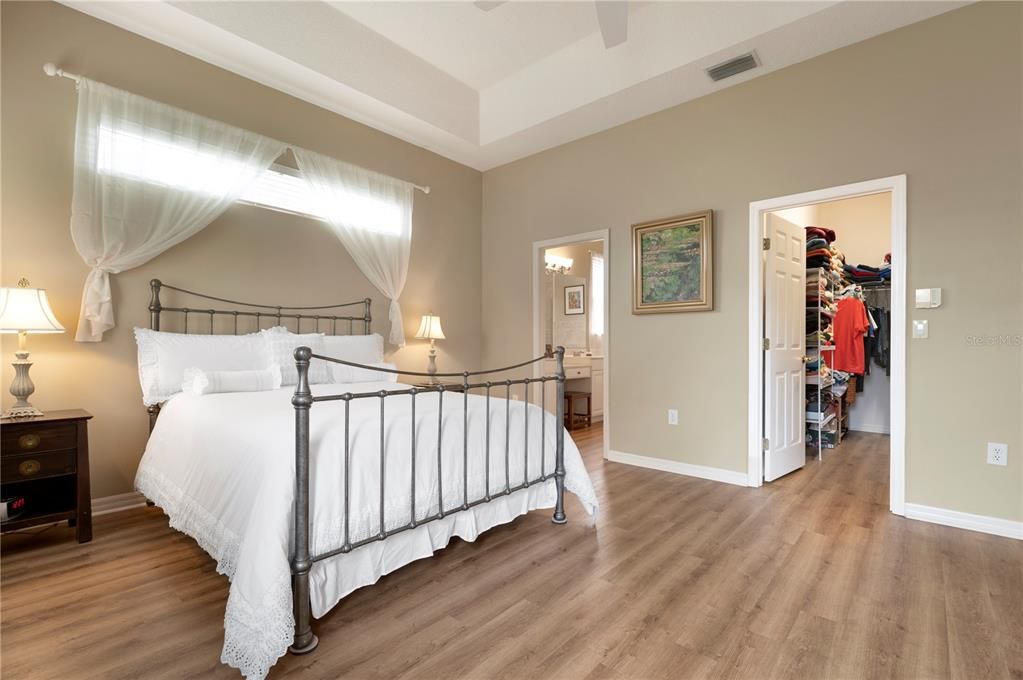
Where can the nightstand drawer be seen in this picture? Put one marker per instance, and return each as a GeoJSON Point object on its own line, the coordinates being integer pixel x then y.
{"type": "Point", "coordinates": [36, 466]}
{"type": "Point", "coordinates": [577, 372]}
{"type": "Point", "coordinates": [25, 438]}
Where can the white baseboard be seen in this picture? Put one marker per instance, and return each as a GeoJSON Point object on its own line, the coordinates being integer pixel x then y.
{"type": "Point", "coordinates": [117, 503]}
{"type": "Point", "coordinates": [965, 520]}
{"type": "Point", "coordinates": [679, 468]}
{"type": "Point", "coordinates": [873, 429]}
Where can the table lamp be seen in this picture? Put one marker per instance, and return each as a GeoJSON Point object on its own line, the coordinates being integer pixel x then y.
{"type": "Point", "coordinates": [429, 328]}
{"type": "Point", "coordinates": [25, 310]}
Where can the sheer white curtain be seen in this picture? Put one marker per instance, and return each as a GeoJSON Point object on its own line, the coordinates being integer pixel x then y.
{"type": "Point", "coordinates": [596, 302]}
{"type": "Point", "coordinates": [148, 176]}
{"type": "Point", "coordinates": [371, 214]}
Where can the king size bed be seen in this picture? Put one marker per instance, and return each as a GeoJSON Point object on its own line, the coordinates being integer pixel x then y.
{"type": "Point", "coordinates": [303, 493]}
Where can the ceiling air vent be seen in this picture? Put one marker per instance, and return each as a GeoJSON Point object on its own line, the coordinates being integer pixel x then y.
{"type": "Point", "coordinates": [732, 67]}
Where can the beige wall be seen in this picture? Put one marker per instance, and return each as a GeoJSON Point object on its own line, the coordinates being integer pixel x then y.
{"type": "Point", "coordinates": [248, 253]}
{"type": "Point", "coordinates": [939, 101]}
{"type": "Point", "coordinates": [862, 227]}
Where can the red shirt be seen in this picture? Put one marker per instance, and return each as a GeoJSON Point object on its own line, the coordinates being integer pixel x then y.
{"type": "Point", "coordinates": [850, 324]}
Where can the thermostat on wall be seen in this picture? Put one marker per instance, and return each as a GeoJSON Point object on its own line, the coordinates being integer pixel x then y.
{"type": "Point", "coordinates": [927, 298]}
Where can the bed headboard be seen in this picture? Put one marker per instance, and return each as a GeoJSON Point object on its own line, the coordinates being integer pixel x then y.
{"type": "Point", "coordinates": [328, 319]}
{"type": "Point", "coordinates": [246, 317]}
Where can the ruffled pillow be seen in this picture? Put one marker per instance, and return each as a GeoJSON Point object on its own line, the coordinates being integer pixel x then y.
{"type": "Point", "coordinates": [163, 358]}
{"type": "Point", "coordinates": [281, 346]}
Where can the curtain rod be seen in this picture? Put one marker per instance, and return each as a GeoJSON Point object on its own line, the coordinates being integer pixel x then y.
{"type": "Point", "coordinates": [50, 69]}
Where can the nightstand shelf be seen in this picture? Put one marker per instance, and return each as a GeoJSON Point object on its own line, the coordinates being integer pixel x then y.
{"type": "Point", "coordinates": [45, 459]}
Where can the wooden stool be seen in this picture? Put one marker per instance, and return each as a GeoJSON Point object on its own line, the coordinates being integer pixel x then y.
{"type": "Point", "coordinates": [572, 419]}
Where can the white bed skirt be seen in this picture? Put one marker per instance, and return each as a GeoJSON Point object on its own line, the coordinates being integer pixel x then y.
{"type": "Point", "coordinates": [330, 580]}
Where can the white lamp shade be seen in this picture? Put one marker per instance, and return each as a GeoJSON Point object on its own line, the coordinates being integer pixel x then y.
{"type": "Point", "coordinates": [429, 328]}
{"type": "Point", "coordinates": [26, 310]}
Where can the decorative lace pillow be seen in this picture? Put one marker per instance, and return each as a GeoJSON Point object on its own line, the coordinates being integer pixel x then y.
{"type": "Point", "coordinates": [198, 381]}
{"type": "Point", "coordinates": [281, 349]}
{"type": "Point", "coordinates": [163, 358]}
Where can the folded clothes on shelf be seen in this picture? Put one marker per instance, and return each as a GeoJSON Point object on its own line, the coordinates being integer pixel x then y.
{"type": "Point", "coordinates": [820, 232]}
{"type": "Point", "coordinates": [865, 274]}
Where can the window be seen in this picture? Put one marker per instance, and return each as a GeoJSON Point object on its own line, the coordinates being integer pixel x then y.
{"type": "Point", "coordinates": [181, 165]}
{"type": "Point", "coordinates": [135, 155]}
{"type": "Point", "coordinates": [282, 188]}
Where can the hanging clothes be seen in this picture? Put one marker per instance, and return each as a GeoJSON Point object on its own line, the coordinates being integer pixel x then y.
{"type": "Point", "coordinates": [849, 327]}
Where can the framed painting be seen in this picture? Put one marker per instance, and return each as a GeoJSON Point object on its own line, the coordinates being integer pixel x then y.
{"type": "Point", "coordinates": [671, 264]}
{"type": "Point", "coordinates": [575, 300]}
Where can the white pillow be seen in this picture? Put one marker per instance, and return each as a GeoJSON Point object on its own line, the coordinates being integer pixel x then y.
{"type": "Point", "coordinates": [351, 374]}
{"type": "Point", "coordinates": [198, 381]}
{"type": "Point", "coordinates": [281, 349]}
{"type": "Point", "coordinates": [361, 349]}
{"type": "Point", "coordinates": [163, 358]}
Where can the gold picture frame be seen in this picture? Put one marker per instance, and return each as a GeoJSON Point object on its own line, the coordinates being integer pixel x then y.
{"type": "Point", "coordinates": [672, 264]}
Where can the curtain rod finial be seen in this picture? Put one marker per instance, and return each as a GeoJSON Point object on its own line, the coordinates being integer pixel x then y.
{"type": "Point", "coordinates": [50, 69]}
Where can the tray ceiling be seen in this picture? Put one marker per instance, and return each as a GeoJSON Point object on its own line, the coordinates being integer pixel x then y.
{"type": "Point", "coordinates": [488, 83]}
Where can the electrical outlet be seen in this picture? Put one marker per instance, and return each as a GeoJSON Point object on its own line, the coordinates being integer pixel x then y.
{"type": "Point", "coordinates": [673, 416]}
{"type": "Point", "coordinates": [997, 454]}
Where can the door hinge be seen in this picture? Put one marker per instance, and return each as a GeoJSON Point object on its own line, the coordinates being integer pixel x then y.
{"type": "Point", "coordinates": [767, 244]}
{"type": "Point", "coordinates": [765, 443]}
{"type": "Point", "coordinates": [767, 344]}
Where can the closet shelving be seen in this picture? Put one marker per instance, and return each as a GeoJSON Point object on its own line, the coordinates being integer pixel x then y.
{"type": "Point", "coordinates": [823, 423]}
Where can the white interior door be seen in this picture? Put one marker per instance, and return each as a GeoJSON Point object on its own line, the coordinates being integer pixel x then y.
{"type": "Point", "coordinates": [785, 331]}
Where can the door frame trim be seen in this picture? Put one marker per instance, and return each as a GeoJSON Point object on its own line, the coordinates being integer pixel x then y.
{"type": "Point", "coordinates": [537, 258]}
{"type": "Point", "coordinates": [896, 185]}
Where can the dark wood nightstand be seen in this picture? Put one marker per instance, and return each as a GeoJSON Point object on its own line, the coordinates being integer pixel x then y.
{"type": "Point", "coordinates": [46, 460]}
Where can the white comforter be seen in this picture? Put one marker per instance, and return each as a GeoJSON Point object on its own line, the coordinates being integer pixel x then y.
{"type": "Point", "coordinates": [222, 468]}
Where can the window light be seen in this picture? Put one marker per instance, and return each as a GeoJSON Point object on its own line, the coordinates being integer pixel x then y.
{"type": "Point", "coordinates": [128, 154]}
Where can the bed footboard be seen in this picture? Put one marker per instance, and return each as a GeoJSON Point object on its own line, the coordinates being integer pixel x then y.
{"type": "Point", "coordinates": [303, 400]}
{"type": "Point", "coordinates": [305, 641]}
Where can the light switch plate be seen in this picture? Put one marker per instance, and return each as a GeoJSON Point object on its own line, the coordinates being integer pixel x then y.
{"type": "Point", "coordinates": [673, 416]}
{"type": "Point", "coordinates": [919, 328]}
{"type": "Point", "coordinates": [928, 298]}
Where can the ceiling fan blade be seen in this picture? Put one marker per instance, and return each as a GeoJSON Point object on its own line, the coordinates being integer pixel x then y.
{"type": "Point", "coordinates": [613, 17]}
{"type": "Point", "coordinates": [486, 5]}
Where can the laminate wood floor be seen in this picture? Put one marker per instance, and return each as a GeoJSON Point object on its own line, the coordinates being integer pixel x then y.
{"type": "Point", "coordinates": [809, 577]}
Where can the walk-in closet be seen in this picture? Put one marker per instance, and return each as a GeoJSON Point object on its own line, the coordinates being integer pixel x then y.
{"type": "Point", "coordinates": [847, 321]}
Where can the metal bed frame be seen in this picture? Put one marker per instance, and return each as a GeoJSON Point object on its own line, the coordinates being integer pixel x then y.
{"type": "Point", "coordinates": [303, 400]}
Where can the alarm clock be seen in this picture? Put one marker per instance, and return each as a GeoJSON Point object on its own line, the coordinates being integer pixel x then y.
{"type": "Point", "coordinates": [11, 508]}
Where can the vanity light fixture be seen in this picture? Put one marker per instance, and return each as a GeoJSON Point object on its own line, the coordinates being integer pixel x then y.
{"type": "Point", "coordinates": [557, 263]}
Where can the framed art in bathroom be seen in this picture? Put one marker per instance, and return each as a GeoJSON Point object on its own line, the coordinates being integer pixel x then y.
{"type": "Point", "coordinates": [575, 300]}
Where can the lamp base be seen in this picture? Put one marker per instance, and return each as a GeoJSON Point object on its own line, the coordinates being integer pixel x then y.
{"type": "Point", "coordinates": [431, 365]}
{"type": "Point", "coordinates": [29, 411]}
{"type": "Point", "coordinates": [22, 388]}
